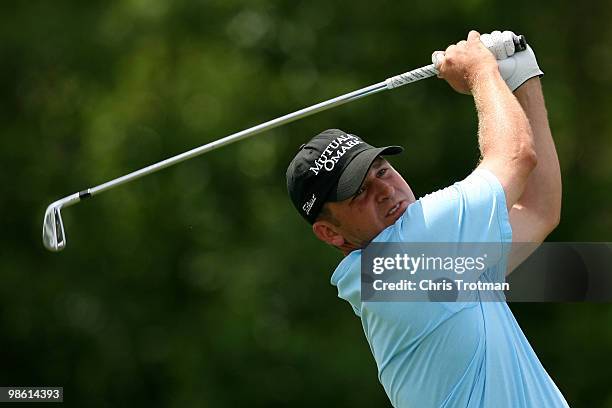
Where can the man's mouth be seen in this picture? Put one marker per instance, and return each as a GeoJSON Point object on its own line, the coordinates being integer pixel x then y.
{"type": "Point", "coordinates": [394, 209]}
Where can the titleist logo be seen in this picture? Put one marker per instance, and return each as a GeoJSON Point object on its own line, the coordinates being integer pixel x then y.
{"type": "Point", "coordinates": [333, 152]}
{"type": "Point", "coordinates": [308, 205]}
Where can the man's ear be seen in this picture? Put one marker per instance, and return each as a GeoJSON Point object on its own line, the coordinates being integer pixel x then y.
{"type": "Point", "coordinates": [327, 232]}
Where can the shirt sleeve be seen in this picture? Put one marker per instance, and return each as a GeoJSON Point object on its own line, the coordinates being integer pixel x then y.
{"type": "Point", "coordinates": [472, 210]}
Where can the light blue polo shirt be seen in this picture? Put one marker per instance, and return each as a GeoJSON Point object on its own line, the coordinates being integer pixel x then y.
{"type": "Point", "coordinates": [450, 354]}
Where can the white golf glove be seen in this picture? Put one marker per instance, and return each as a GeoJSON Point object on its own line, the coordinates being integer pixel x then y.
{"type": "Point", "coordinates": [514, 69]}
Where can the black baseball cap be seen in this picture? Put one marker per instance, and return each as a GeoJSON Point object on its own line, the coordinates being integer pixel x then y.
{"type": "Point", "coordinates": [331, 167]}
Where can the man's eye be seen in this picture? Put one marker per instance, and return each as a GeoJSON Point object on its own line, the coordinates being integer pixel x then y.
{"type": "Point", "coordinates": [381, 172]}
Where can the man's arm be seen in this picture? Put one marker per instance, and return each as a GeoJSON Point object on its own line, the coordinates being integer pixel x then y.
{"type": "Point", "coordinates": [506, 139]}
{"type": "Point", "coordinates": [504, 133]}
{"type": "Point", "coordinates": [538, 210]}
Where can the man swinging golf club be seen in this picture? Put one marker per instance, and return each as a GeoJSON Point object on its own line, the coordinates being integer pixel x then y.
{"type": "Point", "coordinates": [435, 354]}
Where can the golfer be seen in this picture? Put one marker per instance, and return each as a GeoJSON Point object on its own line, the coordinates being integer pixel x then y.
{"type": "Point", "coordinates": [444, 354]}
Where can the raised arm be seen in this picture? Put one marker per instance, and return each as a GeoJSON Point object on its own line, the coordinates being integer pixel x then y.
{"type": "Point", "coordinates": [538, 210]}
{"type": "Point", "coordinates": [504, 134]}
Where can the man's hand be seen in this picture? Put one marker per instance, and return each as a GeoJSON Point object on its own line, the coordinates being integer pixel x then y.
{"type": "Point", "coordinates": [462, 64]}
{"type": "Point", "coordinates": [520, 67]}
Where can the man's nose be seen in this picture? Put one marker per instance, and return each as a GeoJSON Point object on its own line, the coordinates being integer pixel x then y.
{"type": "Point", "coordinates": [384, 191]}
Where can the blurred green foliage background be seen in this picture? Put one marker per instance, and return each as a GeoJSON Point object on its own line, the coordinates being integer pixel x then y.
{"type": "Point", "coordinates": [200, 285]}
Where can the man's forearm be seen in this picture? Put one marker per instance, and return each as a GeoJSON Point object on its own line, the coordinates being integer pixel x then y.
{"type": "Point", "coordinates": [504, 135]}
{"type": "Point", "coordinates": [542, 192]}
{"type": "Point", "coordinates": [503, 127]}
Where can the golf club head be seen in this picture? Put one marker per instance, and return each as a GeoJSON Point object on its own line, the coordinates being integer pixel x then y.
{"type": "Point", "coordinates": [53, 235]}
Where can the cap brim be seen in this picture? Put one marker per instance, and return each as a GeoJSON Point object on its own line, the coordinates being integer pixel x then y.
{"type": "Point", "coordinates": [355, 172]}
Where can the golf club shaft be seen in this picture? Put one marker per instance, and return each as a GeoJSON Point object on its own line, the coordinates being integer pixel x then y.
{"type": "Point", "coordinates": [393, 82]}
{"type": "Point", "coordinates": [517, 43]}
{"type": "Point", "coordinates": [500, 44]}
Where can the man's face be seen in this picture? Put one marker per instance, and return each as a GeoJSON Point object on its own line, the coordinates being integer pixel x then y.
{"type": "Point", "coordinates": [381, 200]}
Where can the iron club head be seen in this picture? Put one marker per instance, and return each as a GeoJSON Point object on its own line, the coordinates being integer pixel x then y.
{"type": "Point", "coordinates": [53, 235]}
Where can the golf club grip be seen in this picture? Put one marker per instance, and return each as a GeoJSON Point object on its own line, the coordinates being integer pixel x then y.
{"type": "Point", "coordinates": [500, 48]}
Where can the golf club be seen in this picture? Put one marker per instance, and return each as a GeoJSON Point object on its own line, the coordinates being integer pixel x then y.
{"type": "Point", "coordinates": [54, 236]}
